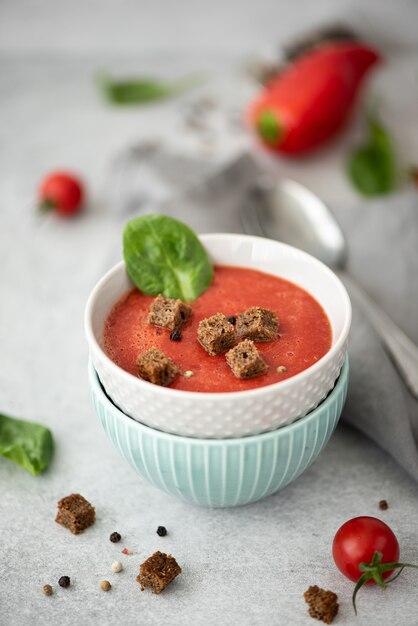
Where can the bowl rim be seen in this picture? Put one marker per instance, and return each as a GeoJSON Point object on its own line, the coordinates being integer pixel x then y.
{"type": "Point", "coordinates": [99, 391]}
{"type": "Point", "coordinates": [220, 396]}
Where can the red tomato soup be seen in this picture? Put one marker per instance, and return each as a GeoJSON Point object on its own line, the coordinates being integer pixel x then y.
{"type": "Point", "coordinates": [305, 333]}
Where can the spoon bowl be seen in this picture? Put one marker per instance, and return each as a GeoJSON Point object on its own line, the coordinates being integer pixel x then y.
{"type": "Point", "coordinates": [289, 212]}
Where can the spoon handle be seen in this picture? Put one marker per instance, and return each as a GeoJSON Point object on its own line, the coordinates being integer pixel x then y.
{"type": "Point", "coordinates": [403, 351]}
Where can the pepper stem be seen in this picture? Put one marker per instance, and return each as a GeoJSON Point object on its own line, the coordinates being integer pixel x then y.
{"type": "Point", "coordinates": [269, 127]}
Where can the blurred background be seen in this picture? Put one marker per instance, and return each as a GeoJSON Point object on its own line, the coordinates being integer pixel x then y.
{"type": "Point", "coordinates": [53, 114]}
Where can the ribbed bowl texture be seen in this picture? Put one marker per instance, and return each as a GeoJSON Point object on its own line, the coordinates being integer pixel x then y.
{"type": "Point", "coordinates": [221, 472]}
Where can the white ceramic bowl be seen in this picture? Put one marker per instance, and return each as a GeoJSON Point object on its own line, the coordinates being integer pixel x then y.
{"type": "Point", "coordinates": [232, 414]}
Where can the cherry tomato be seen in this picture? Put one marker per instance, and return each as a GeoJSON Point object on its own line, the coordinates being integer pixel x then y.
{"type": "Point", "coordinates": [61, 192]}
{"type": "Point", "coordinates": [358, 540]}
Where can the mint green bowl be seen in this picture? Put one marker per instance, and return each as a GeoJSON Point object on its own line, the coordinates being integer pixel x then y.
{"type": "Point", "coordinates": [221, 472]}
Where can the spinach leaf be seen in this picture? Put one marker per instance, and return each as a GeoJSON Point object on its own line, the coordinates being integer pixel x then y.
{"type": "Point", "coordinates": [163, 255]}
{"type": "Point", "coordinates": [28, 444]}
{"type": "Point", "coordinates": [372, 167]}
{"type": "Point", "coordinates": [143, 90]}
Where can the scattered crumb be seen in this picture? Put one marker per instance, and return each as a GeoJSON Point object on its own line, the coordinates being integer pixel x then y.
{"type": "Point", "coordinates": [188, 374]}
{"type": "Point", "coordinates": [157, 572]}
{"type": "Point", "coordinates": [383, 505]}
{"type": "Point", "coordinates": [282, 369]}
{"type": "Point", "coordinates": [47, 590]}
{"type": "Point", "coordinates": [75, 513]}
{"type": "Point", "coordinates": [323, 605]}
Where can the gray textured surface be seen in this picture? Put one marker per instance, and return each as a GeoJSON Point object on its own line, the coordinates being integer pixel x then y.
{"type": "Point", "coordinates": [247, 566]}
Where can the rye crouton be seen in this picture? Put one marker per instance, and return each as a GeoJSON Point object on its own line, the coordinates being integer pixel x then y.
{"type": "Point", "coordinates": [257, 324]}
{"type": "Point", "coordinates": [156, 367]}
{"type": "Point", "coordinates": [75, 513]}
{"type": "Point", "coordinates": [157, 572]}
{"type": "Point", "coordinates": [323, 605]}
{"type": "Point", "coordinates": [245, 360]}
{"type": "Point", "coordinates": [215, 334]}
{"type": "Point", "coordinates": [168, 313]}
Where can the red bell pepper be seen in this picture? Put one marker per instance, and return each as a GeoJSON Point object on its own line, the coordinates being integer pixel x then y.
{"type": "Point", "coordinates": [311, 100]}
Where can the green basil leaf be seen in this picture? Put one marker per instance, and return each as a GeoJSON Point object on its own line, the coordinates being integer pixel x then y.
{"type": "Point", "coordinates": [143, 90]}
{"type": "Point", "coordinates": [372, 167]}
{"type": "Point", "coordinates": [28, 444]}
{"type": "Point", "coordinates": [163, 255]}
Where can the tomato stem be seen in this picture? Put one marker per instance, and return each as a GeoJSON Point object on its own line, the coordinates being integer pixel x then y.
{"type": "Point", "coordinates": [359, 584]}
{"type": "Point", "coordinates": [46, 206]}
{"type": "Point", "coordinates": [374, 571]}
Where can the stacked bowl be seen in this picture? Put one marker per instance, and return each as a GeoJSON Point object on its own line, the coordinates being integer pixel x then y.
{"type": "Point", "coordinates": [231, 448]}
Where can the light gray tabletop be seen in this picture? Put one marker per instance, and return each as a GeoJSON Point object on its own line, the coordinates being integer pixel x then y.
{"type": "Point", "coordinates": [245, 566]}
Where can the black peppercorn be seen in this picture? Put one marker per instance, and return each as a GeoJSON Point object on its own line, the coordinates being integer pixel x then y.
{"type": "Point", "coordinates": [383, 505]}
{"type": "Point", "coordinates": [161, 531]}
{"type": "Point", "coordinates": [115, 537]}
{"type": "Point", "coordinates": [176, 335]}
{"type": "Point", "coordinates": [64, 581]}
{"type": "Point", "coordinates": [232, 320]}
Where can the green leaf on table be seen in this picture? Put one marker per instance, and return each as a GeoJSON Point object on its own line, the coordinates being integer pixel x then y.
{"type": "Point", "coordinates": [28, 444]}
{"type": "Point", "coordinates": [372, 167]}
{"type": "Point", "coordinates": [164, 256]}
{"type": "Point", "coordinates": [144, 90]}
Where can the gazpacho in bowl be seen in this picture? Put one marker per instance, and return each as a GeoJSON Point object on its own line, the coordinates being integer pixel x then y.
{"type": "Point", "coordinates": [303, 336]}
{"type": "Point", "coordinates": [217, 336]}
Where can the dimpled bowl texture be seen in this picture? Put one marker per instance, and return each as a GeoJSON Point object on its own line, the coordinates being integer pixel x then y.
{"type": "Point", "coordinates": [235, 414]}
{"type": "Point", "coordinates": [221, 472]}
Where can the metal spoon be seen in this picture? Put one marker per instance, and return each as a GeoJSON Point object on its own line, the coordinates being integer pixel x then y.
{"type": "Point", "coordinates": [291, 213]}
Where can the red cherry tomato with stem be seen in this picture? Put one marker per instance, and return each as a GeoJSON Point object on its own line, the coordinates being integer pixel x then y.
{"type": "Point", "coordinates": [366, 551]}
{"type": "Point", "coordinates": [356, 542]}
{"type": "Point", "coordinates": [61, 192]}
